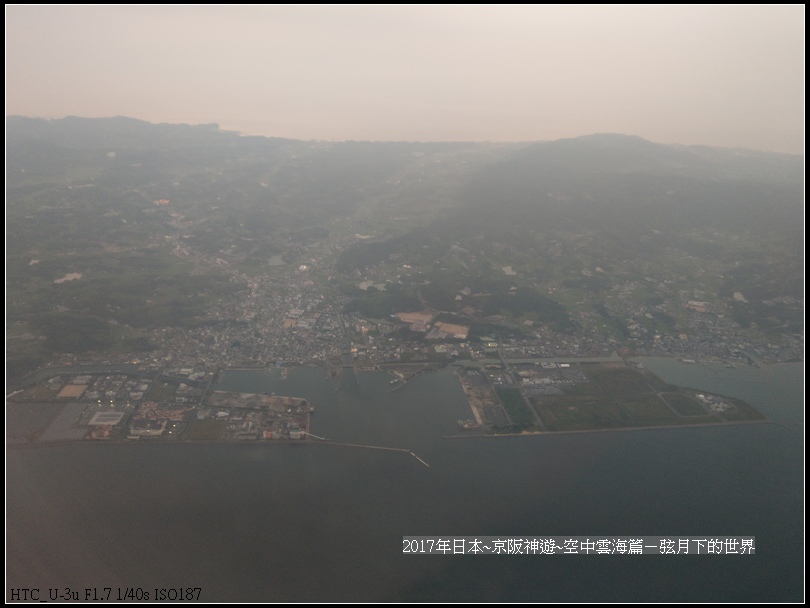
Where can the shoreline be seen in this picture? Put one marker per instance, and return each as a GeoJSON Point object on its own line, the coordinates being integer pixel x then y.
{"type": "Point", "coordinates": [26, 443]}
{"type": "Point", "coordinates": [612, 430]}
{"type": "Point", "coordinates": [133, 368]}
{"type": "Point", "coordinates": [303, 442]}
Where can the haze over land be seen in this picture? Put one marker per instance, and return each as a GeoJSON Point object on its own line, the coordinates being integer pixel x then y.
{"type": "Point", "coordinates": [729, 76]}
{"type": "Point", "coordinates": [128, 241]}
{"type": "Point", "coordinates": [428, 224]}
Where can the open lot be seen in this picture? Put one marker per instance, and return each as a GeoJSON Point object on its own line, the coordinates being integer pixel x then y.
{"type": "Point", "coordinates": [620, 397]}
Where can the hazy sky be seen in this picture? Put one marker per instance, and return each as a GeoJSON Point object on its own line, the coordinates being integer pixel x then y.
{"type": "Point", "coordinates": [718, 75]}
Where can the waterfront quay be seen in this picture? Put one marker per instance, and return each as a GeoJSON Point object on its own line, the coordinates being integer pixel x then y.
{"type": "Point", "coordinates": [139, 404]}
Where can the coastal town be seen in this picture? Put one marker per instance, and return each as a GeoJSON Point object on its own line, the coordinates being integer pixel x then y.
{"type": "Point", "coordinates": [294, 316]}
{"type": "Point", "coordinates": [194, 270]}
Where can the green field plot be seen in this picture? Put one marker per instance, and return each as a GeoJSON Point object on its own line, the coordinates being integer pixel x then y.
{"type": "Point", "coordinates": [202, 430]}
{"type": "Point", "coordinates": [580, 413]}
{"type": "Point", "coordinates": [644, 408]}
{"type": "Point", "coordinates": [515, 406]}
{"type": "Point", "coordinates": [617, 378]}
{"type": "Point", "coordinates": [655, 382]}
{"type": "Point", "coordinates": [620, 397]}
{"type": "Point", "coordinates": [684, 405]}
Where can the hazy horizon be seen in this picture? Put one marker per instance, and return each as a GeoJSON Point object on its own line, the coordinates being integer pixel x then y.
{"type": "Point", "coordinates": [726, 76]}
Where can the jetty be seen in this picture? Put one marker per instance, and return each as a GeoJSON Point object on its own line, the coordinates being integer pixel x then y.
{"type": "Point", "coordinates": [371, 447]}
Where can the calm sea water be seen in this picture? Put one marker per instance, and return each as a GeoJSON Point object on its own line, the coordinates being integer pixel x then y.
{"type": "Point", "coordinates": [319, 522]}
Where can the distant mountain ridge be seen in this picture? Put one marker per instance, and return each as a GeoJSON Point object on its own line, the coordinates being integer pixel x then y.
{"type": "Point", "coordinates": [600, 178]}
{"type": "Point", "coordinates": [111, 130]}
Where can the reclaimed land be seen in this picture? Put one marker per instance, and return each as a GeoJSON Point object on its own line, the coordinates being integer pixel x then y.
{"type": "Point", "coordinates": [612, 396]}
